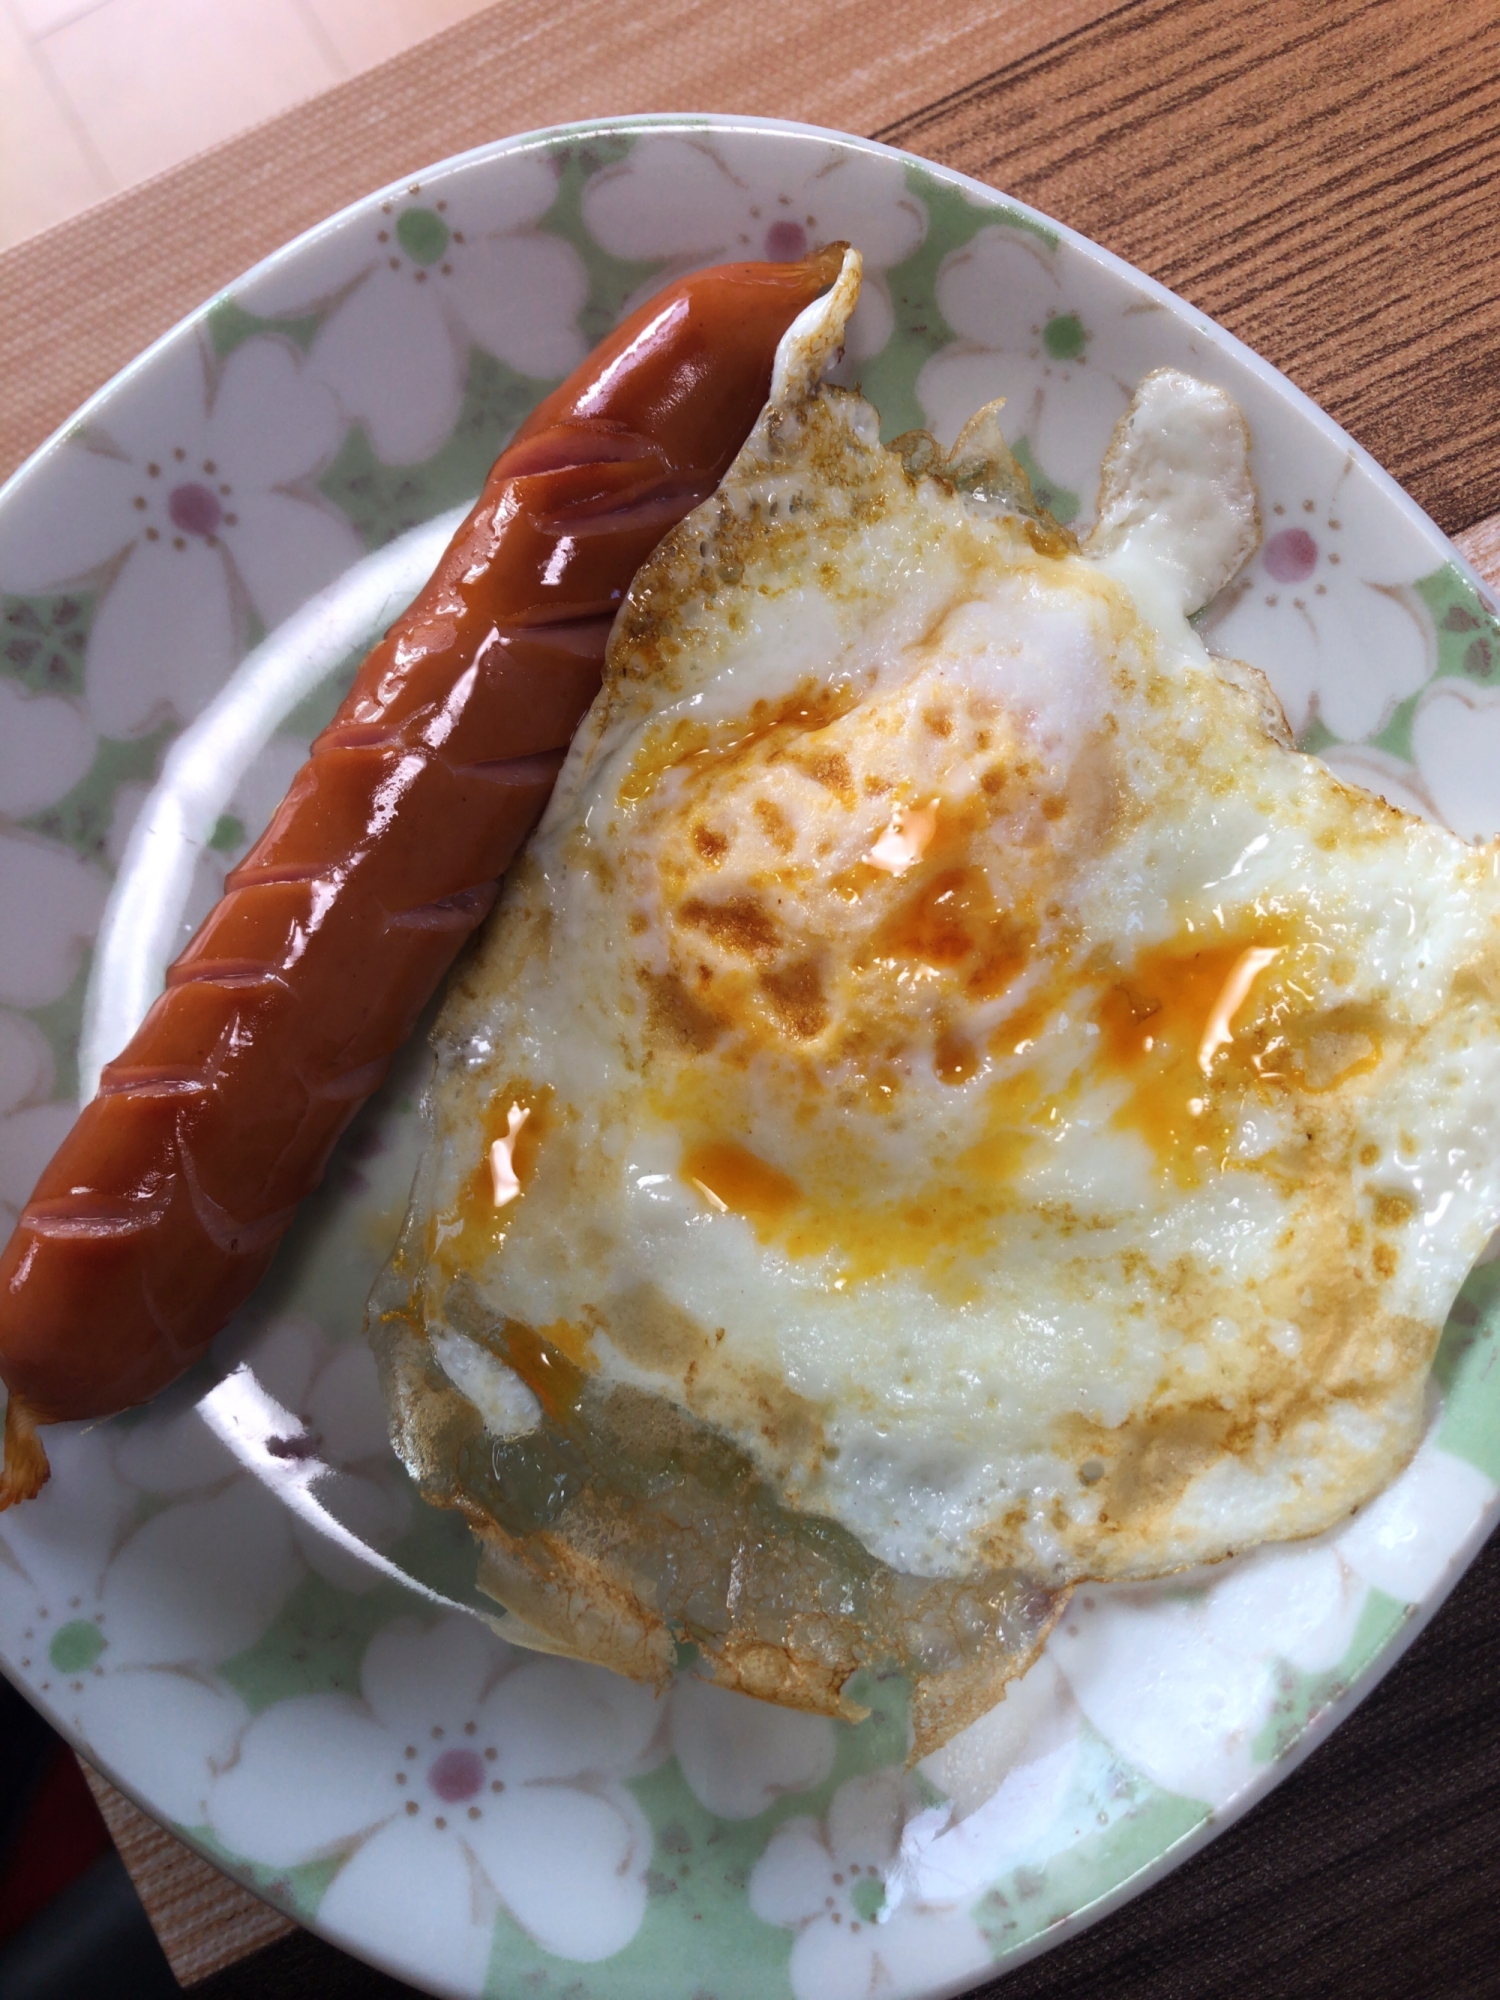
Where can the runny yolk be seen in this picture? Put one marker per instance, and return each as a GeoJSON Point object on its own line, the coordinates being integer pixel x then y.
{"type": "Point", "coordinates": [1169, 1025]}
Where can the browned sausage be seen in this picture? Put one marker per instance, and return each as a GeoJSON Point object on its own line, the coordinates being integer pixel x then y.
{"type": "Point", "coordinates": [164, 1204]}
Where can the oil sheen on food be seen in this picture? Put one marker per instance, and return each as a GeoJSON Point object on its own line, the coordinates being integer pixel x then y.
{"type": "Point", "coordinates": [943, 1037]}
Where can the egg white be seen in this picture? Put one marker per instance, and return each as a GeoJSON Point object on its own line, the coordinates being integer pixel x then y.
{"type": "Point", "coordinates": [827, 988]}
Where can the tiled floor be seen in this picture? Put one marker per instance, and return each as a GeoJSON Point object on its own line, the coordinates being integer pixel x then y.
{"type": "Point", "coordinates": [98, 94]}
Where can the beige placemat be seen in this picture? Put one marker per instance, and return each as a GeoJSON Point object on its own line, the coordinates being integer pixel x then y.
{"type": "Point", "coordinates": [79, 302]}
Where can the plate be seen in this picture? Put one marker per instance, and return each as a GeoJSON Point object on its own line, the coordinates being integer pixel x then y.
{"type": "Point", "coordinates": [233, 1601]}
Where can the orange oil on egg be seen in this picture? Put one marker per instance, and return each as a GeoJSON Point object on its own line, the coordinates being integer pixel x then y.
{"type": "Point", "coordinates": [949, 932]}
{"type": "Point", "coordinates": [935, 948]}
{"type": "Point", "coordinates": [515, 1125]}
{"type": "Point", "coordinates": [951, 923]}
{"type": "Point", "coordinates": [1018, 1031]}
{"type": "Point", "coordinates": [867, 1231]}
{"type": "Point", "coordinates": [687, 743]}
{"type": "Point", "coordinates": [734, 1181]}
{"type": "Point", "coordinates": [915, 958]}
{"type": "Point", "coordinates": [902, 960]}
{"type": "Point", "coordinates": [840, 1202]}
{"type": "Point", "coordinates": [1185, 1020]}
{"type": "Point", "coordinates": [551, 1360]}
{"type": "Point", "coordinates": [1018, 1110]}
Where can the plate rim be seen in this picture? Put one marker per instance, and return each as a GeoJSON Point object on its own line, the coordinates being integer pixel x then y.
{"type": "Point", "coordinates": [540, 137]}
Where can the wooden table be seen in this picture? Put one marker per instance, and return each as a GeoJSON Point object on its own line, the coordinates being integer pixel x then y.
{"type": "Point", "coordinates": [1319, 175]}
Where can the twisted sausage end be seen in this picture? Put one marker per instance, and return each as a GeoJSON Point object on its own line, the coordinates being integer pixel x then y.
{"type": "Point", "coordinates": [25, 1470]}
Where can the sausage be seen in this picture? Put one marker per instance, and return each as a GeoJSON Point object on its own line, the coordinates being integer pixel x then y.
{"type": "Point", "coordinates": [165, 1203]}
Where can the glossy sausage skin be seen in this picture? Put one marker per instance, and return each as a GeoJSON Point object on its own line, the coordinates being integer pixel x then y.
{"type": "Point", "coordinates": [164, 1205]}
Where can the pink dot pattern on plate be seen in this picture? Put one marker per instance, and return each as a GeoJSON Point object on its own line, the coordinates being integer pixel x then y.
{"type": "Point", "coordinates": [457, 1775]}
{"type": "Point", "coordinates": [786, 242]}
{"type": "Point", "coordinates": [194, 510]}
{"type": "Point", "coordinates": [1291, 556]}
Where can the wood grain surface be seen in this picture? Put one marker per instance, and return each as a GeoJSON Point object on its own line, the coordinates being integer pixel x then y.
{"type": "Point", "coordinates": [1318, 175]}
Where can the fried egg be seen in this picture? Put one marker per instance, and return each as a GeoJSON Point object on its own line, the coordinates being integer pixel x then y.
{"type": "Point", "coordinates": [946, 1044]}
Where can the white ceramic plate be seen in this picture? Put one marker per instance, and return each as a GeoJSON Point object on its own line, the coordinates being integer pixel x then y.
{"type": "Point", "coordinates": [234, 1602]}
